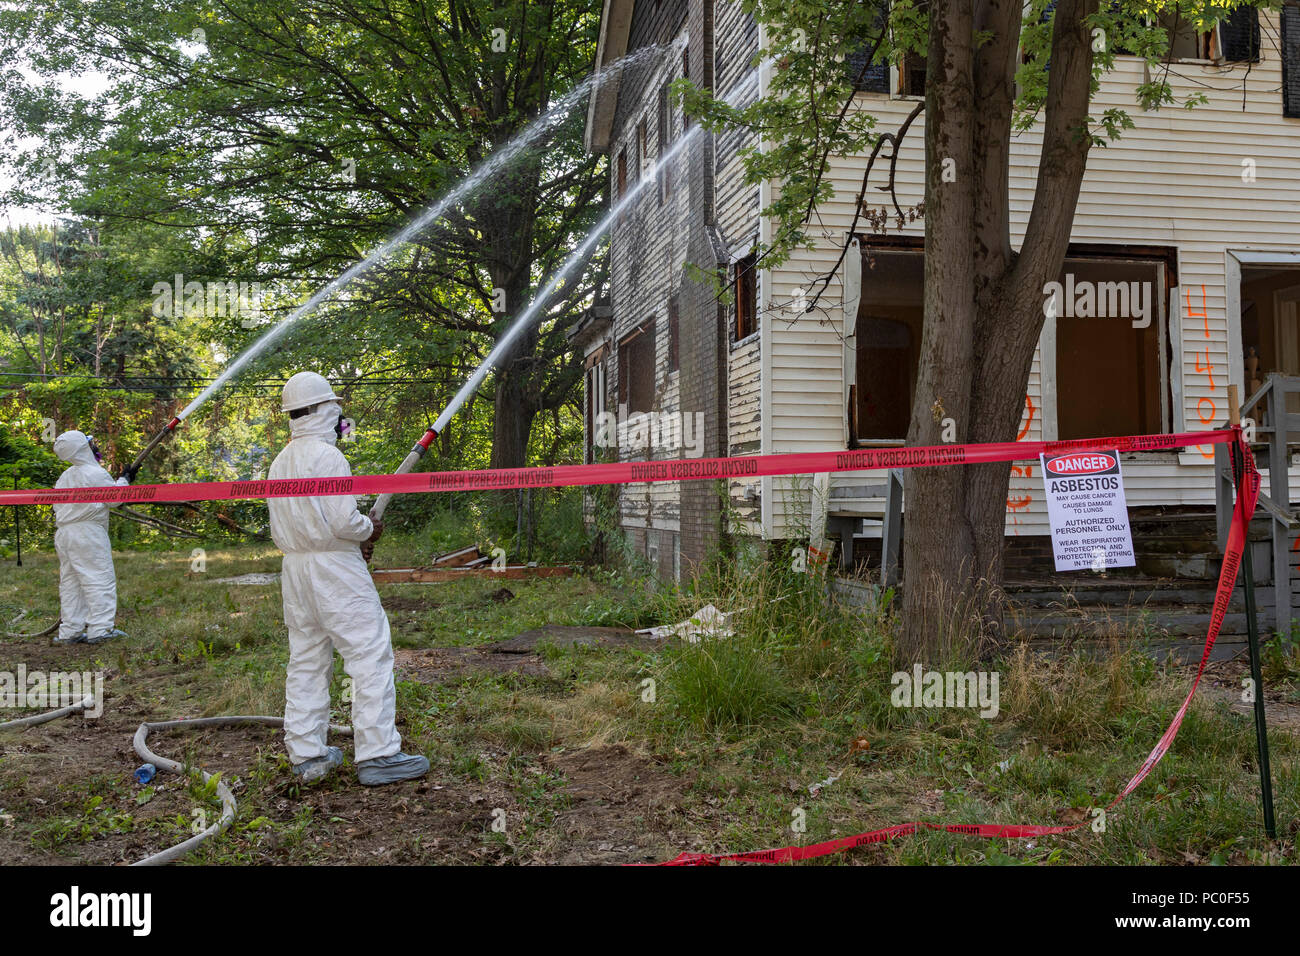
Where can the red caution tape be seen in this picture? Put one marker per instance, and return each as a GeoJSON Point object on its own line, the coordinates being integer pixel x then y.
{"type": "Point", "coordinates": [703, 469]}
{"type": "Point", "coordinates": [1247, 497]}
{"type": "Point", "coordinates": [617, 473]}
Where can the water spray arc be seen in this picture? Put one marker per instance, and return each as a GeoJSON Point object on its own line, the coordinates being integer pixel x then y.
{"type": "Point", "coordinates": [556, 282]}
{"type": "Point", "coordinates": [529, 136]}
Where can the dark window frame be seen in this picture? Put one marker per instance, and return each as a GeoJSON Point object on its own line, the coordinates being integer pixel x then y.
{"type": "Point", "coordinates": [744, 287]}
{"type": "Point", "coordinates": [674, 333]}
{"type": "Point", "coordinates": [633, 375]}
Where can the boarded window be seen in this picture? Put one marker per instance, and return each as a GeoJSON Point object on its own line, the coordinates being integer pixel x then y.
{"type": "Point", "coordinates": [674, 334]}
{"type": "Point", "coordinates": [1237, 38]}
{"type": "Point", "coordinates": [1110, 348]}
{"type": "Point", "coordinates": [1291, 60]}
{"type": "Point", "coordinates": [636, 370]}
{"type": "Point", "coordinates": [745, 289]}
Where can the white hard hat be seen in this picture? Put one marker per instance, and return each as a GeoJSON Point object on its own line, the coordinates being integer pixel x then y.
{"type": "Point", "coordinates": [304, 390]}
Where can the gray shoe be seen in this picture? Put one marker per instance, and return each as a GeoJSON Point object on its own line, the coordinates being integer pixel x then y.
{"type": "Point", "coordinates": [105, 636]}
{"type": "Point", "coordinates": [318, 768]}
{"type": "Point", "coordinates": [74, 639]}
{"type": "Point", "coordinates": [391, 769]}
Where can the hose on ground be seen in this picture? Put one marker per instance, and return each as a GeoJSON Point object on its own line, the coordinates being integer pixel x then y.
{"type": "Point", "coordinates": [86, 702]}
{"type": "Point", "coordinates": [49, 630]}
{"type": "Point", "coordinates": [227, 817]}
{"type": "Point", "coordinates": [228, 807]}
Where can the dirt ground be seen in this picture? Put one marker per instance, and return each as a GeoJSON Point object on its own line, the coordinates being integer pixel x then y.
{"type": "Point", "coordinates": [615, 805]}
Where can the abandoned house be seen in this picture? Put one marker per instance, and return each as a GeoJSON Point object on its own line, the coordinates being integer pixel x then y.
{"type": "Point", "coordinates": [1183, 276]}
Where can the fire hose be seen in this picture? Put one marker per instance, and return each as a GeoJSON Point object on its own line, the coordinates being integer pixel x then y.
{"type": "Point", "coordinates": [228, 806]}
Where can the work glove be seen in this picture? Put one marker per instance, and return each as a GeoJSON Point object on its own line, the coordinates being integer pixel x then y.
{"type": "Point", "coordinates": [129, 473]}
{"type": "Point", "coordinates": [368, 546]}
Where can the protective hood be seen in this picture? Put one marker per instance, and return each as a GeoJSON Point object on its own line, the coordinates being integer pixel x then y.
{"type": "Point", "coordinates": [318, 423]}
{"type": "Point", "coordinates": [73, 448]}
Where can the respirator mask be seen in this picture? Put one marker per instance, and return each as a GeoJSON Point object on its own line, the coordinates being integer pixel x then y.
{"type": "Point", "coordinates": [94, 448]}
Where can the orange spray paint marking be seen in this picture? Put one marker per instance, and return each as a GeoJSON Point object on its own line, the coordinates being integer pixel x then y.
{"type": "Point", "coordinates": [1021, 471]}
{"type": "Point", "coordinates": [1200, 404]}
{"type": "Point", "coordinates": [1203, 314]}
{"type": "Point", "coordinates": [1029, 420]}
{"type": "Point", "coordinates": [1207, 367]}
{"type": "Point", "coordinates": [1014, 506]}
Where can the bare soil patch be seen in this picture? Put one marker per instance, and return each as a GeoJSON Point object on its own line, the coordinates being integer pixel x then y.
{"type": "Point", "coordinates": [622, 807]}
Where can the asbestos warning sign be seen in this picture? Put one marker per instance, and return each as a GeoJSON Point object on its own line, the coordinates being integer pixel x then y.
{"type": "Point", "coordinates": [1085, 503]}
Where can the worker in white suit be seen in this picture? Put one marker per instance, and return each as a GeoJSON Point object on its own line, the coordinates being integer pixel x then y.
{"type": "Point", "coordinates": [330, 602]}
{"type": "Point", "coordinates": [87, 580]}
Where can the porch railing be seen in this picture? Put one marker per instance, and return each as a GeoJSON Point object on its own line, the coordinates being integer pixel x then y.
{"type": "Point", "coordinates": [1277, 428]}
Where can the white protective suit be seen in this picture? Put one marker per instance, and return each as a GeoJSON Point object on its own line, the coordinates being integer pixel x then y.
{"type": "Point", "coordinates": [87, 581]}
{"type": "Point", "coordinates": [330, 601]}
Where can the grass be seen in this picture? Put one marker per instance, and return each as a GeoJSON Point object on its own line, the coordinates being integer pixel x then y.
{"type": "Point", "coordinates": [729, 736]}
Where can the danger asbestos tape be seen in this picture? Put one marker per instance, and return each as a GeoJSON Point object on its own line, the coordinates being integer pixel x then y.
{"type": "Point", "coordinates": [615, 473]}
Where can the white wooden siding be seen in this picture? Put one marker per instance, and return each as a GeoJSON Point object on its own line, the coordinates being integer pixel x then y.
{"type": "Point", "coordinates": [1175, 180]}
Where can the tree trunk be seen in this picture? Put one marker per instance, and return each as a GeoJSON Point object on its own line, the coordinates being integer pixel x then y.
{"type": "Point", "coordinates": [515, 409]}
{"type": "Point", "coordinates": [983, 305]}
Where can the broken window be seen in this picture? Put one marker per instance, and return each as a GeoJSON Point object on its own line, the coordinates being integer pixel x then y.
{"type": "Point", "coordinates": [1185, 41]}
{"type": "Point", "coordinates": [745, 289]}
{"type": "Point", "coordinates": [1234, 39]}
{"type": "Point", "coordinates": [636, 370]}
{"type": "Point", "coordinates": [1111, 350]}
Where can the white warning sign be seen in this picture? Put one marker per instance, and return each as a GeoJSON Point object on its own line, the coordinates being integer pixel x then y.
{"type": "Point", "coordinates": [1085, 503]}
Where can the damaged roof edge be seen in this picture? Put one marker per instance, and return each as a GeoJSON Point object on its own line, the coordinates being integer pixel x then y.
{"type": "Point", "coordinates": [615, 26]}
